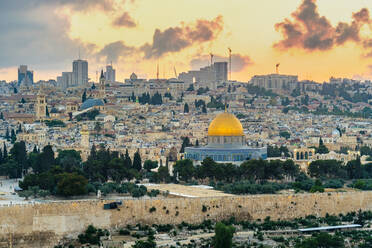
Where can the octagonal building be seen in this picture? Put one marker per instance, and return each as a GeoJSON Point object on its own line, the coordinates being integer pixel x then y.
{"type": "Point", "coordinates": [226, 143]}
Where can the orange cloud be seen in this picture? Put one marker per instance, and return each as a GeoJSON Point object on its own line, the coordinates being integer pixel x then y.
{"type": "Point", "coordinates": [175, 39]}
{"type": "Point", "coordinates": [309, 31]}
{"type": "Point", "coordinates": [125, 20]}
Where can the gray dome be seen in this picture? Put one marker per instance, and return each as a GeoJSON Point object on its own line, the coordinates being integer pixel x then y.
{"type": "Point", "coordinates": [335, 132]}
{"type": "Point", "coordinates": [133, 77]}
{"type": "Point", "coordinates": [54, 110]}
{"type": "Point", "coordinates": [91, 103]}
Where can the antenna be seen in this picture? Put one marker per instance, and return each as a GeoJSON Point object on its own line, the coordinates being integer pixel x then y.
{"type": "Point", "coordinates": [79, 52]}
{"type": "Point", "coordinates": [157, 72]}
{"type": "Point", "coordinates": [175, 71]}
{"type": "Point", "coordinates": [229, 62]}
{"type": "Point", "coordinates": [211, 54]}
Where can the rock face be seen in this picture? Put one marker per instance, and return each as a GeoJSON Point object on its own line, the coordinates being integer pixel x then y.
{"type": "Point", "coordinates": [42, 225]}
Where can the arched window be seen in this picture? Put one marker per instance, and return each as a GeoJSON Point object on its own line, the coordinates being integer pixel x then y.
{"type": "Point", "coordinates": [306, 155]}
{"type": "Point", "coordinates": [297, 156]}
{"type": "Point", "coordinates": [302, 156]}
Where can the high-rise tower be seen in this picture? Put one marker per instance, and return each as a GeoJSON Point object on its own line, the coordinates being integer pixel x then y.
{"type": "Point", "coordinates": [80, 72]}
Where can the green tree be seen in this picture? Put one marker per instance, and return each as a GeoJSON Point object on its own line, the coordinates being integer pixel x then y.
{"type": "Point", "coordinates": [5, 153]}
{"type": "Point", "coordinates": [285, 134]}
{"type": "Point", "coordinates": [184, 169]}
{"type": "Point", "coordinates": [185, 143]}
{"type": "Point", "coordinates": [163, 174]}
{"type": "Point", "coordinates": [321, 149]}
{"type": "Point", "coordinates": [97, 127]}
{"type": "Point", "coordinates": [71, 184]}
{"type": "Point", "coordinates": [321, 240]}
{"type": "Point", "coordinates": [149, 243]}
{"type": "Point", "coordinates": [1, 116]}
{"type": "Point", "coordinates": [137, 163]}
{"type": "Point", "coordinates": [9, 169]}
{"type": "Point", "coordinates": [47, 111]}
{"type": "Point", "coordinates": [127, 160]}
{"type": "Point", "coordinates": [365, 150]}
{"type": "Point", "coordinates": [19, 128]}
{"type": "Point", "coordinates": [69, 160]}
{"type": "Point", "coordinates": [45, 160]}
{"type": "Point", "coordinates": [7, 134]}
{"type": "Point", "coordinates": [327, 168]}
{"type": "Point", "coordinates": [84, 96]}
{"type": "Point", "coordinates": [190, 88]}
{"type": "Point", "coordinates": [223, 236]}
{"type": "Point", "coordinates": [354, 169]}
{"type": "Point", "coordinates": [19, 155]}
{"type": "Point", "coordinates": [149, 165]}
{"type": "Point", "coordinates": [13, 136]}
{"type": "Point", "coordinates": [186, 108]}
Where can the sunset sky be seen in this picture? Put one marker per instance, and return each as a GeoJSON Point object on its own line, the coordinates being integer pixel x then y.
{"type": "Point", "coordinates": [312, 39]}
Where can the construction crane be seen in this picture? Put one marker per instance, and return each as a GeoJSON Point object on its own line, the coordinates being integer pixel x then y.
{"type": "Point", "coordinates": [277, 68]}
{"type": "Point", "coordinates": [229, 49]}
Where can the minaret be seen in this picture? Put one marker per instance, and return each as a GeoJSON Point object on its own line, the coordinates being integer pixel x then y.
{"type": "Point", "coordinates": [84, 137]}
{"type": "Point", "coordinates": [102, 89]}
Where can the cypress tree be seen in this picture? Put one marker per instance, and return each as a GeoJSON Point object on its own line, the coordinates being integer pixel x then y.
{"type": "Point", "coordinates": [1, 116]}
{"type": "Point", "coordinates": [84, 96]}
{"type": "Point", "coordinates": [5, 153]}
{"type": "Point", "coordinates": [35, 149]}
{"type": "Point", "coordinates": [137, 163]}
{"type": "Point", "coordinates": [19, 128]}
{"type": "Point", "coordinates": [127, 160]}
{"type": "Point", "coordinates": [47, 111]}
{"type": "Point", "coordinates": [93, 152]}
{"type": "Point", "coordinates": [204, 109]}
{"type": "Point", "coordinates": [1, 157]}
{"type": "Point", "coordinates": [7, 134]}
{"type": "Point", "coordinates": [186, 108]}
{"type": "Point", "coordinates": [13, 136]}
{"type": "Point", "coordinates": [45, 160]}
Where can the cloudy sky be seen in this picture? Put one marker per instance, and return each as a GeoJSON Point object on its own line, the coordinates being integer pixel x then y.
{"type": "Point", "coordinates": [314, 39]}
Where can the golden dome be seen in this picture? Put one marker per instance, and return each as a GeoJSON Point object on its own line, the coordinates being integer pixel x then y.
{"type": "Point", "coordinates": [225, 124]}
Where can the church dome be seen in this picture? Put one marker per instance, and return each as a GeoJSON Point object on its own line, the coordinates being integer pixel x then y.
{"type": "Point", "coordinates": [225, 124]}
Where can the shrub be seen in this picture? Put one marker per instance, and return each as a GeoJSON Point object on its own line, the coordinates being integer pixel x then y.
{"type": "Point", "coordinates": [204, 209]}
{"type": "Point", "coordinates": [124, 232]}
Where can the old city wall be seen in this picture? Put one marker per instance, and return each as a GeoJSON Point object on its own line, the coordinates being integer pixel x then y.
{"type": "Point", "coordinates": [46, 223]}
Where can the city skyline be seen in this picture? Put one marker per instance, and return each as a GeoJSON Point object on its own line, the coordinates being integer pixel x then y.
{"type": "Point", "coordinates": [326, 41]}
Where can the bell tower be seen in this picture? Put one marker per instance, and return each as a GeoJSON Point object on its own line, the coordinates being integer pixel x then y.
{"type": "Point", "coordinates": [40, 107]}
{"type": "Point", "coordinates": [102, 86]}
{"type": "Point", "coordinates": [84, 137]}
